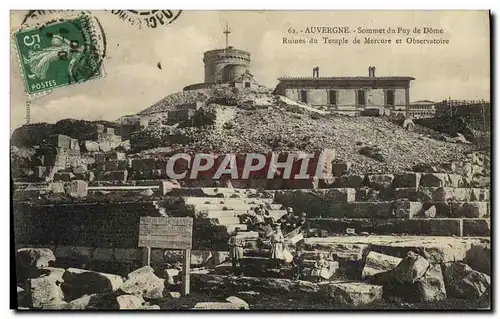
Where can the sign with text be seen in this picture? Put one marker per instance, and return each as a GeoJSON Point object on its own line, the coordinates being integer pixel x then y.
{"type": "Point", "coordinates": [166, 232]}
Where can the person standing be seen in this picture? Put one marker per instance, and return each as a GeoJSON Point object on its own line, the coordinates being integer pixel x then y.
{"type": "Point", "coordinates": [277, 239]}
{"type": "Point", "coordinates": [236, 250]}
{"type": "Point", "coordinates": [298, 264]}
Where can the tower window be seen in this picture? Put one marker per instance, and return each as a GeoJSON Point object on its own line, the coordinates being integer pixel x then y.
{"type": "Point", "coordinates": [247, 84]}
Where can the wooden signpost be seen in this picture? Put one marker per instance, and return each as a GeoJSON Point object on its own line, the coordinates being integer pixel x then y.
{"type": "Point", "coordinates": [168, 233]}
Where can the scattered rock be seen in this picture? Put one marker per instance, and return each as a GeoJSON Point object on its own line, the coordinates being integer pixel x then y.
{"type": "Point", "coordinates": [79, 282]}
{"type": "Point", "coordinates": [30, 260]}
{"type": "Point", "coordinates": [425, 168]}
{"type": "Point", "coordinates": [411, 268]}
{"type": "Point", "coordinates": [172, 275]}
{"type": "Point", "coordinates": [431, 286]}
{"type": "Point", "coordinates": [46, 291]}
{"type": "Point", "coordinates": [479, 257]}
{"type": "Point", "coordinates": [175, 294]}
{"type": "Point", "coordinates": [353, 293]}
{"type": "Point", "coordinates": [250, 293]}
{"type": "Point", "coordinates": [148, 192]}
{"type": "Point", "coordinates": [464, 282]}
{"type": "Point", "coordinates": [379, 181]}
{"type": "Point", "coordinates": [372, 152]}
{"type": "Point", "coordinates": [217, 306]}
{"type": "Point", "coordinates": [377, 263]}
{"type": "Point", "coordinates": [105, 301]}
{"type": "Point", "coordinates": [143, 282]}
{"type": "Point", "coordinates": [428, 212]}
{"type": "Point", "coordinates": [149, 307]}
{"type": "Point", "coordinates": [129, 302]}
{"type": "Point", "coordinates": [238, 301]}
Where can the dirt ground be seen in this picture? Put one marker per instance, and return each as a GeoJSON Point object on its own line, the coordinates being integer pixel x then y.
{"type": "Point", "coordinates": [263, 301]}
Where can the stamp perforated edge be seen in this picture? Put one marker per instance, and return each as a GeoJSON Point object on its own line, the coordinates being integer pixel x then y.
{"type": "Point", "coordinates": [87, 17]}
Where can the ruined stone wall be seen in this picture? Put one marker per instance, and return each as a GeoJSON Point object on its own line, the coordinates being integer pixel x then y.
{"type": "Point", "coordinates": [105, 225]}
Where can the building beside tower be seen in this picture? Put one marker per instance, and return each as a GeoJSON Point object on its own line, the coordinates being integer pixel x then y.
{"type": "Point", "coordinates": [350, 95]}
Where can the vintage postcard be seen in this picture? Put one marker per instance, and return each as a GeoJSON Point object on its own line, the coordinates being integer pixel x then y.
{"type": "Point", "coordinates": [251, 160]}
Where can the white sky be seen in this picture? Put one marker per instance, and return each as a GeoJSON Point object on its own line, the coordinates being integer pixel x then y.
{"type": "Point", "coordinates": [460, 70]}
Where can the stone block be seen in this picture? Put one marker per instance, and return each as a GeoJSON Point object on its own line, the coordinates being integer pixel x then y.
{"type": "Point", "coordinates": [76, 189]}
{"type": "Point", "coordinates": [143, 282]}
{"type": "Point", "coordinates": [462, 209]}
{"type": "Point", "coordinates": [431, 286]}
{"type": "Point", "coordinates": [434, 180]}
{"type": "Point", "coordinates": [219, 257]}
{"type": "Point", "coordinates": [353, 293]}
{"type": "Point", "coordinates": [463, 282]}
{"type": "Point", "coordinates": [63, 176]}
{"type": "Point", "coordinates": [113, 165]}
{"type": "Point", "coordinates": [62, 251]}
{"type": "Point", "coordinates": [46, 291]}
{"type": "Point", "coordinates": [106, 301]}
{"type": "Point", "coordinates": [217, 306]}
{"type": "Point", "coordinates": [169, 185]}
{"type": "Point", "coordinates": [29, 261]}
{"type": "Point", "coordinates": [339, 169]}
{"type": "Point", "coordinates": [91, 146]}
{"type": "Point", "coordinates": [442, 194]}
{"type": "Point", "coordinates": [479, 257]}
{"type": "Point", "coordinates": [406, 209]}
{"type": "Point", "coordinates": [411, 269]}
{"type": "Point", "coordinates": [376, 263]}
{"type": "Point", "coordinates": [172, 276]}
{"type": "Point", "coordinates": [147, 164]}
{"type": "Point", "coordinates": [123, 254]}
{"type": "Point", "coordinates": [315, 203]}
{"type": "Point", "coordinates": [103, 254]}
{"type": "Point", "coordinates": [379, 181]}
{"type": "Point", "coordinates": [41, 172]}
{"type": "Point", "coordinates": [379, 226]}
{"type": "Point", "coordinates": [407, 180]}
{"type": "Point", "coordinates": [85, 176]}
{"type": "Point", "coordinates": [311, 183]}
{"type": "Point", "coordinates": [79, 282]}
{"type": "Point", "coordinates": [105, 146]}
{"type": "Point", "coordinates": [359, 210]}
{"type": "Point", "coordinates": [149, 307]}
{"type": "Point", "coordinates": [129, 302]}
{"type": "Point", "coordinates": [115, 176]}
{"type": "Point", "coordinates": [35, 257]}
{"type": "Point", "coordinates": [476, 227]}
{"type": "Point", "coordinates": [350, 181]}
{"type": "Point", "coordinates": [238, 301]}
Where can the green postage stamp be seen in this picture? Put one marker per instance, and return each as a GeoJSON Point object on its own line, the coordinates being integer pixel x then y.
{"type": "Point", "coordinates": [58, 54]}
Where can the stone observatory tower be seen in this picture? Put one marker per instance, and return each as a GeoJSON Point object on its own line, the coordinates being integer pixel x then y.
{"type": "Point", "coordinates": [226, 67]}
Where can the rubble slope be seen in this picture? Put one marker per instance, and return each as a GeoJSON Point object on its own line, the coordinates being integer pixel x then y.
{"type": "Point", "coordinates": [262, 122]}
